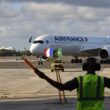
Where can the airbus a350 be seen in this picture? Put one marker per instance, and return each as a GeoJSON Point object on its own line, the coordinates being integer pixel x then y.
{"type": "Point", "coordinates": [76, 46]}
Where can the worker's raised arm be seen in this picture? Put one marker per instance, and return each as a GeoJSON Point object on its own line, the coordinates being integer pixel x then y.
{"type": "Point", "coordinates": [52, 82]}
{"type": "Point", "coordinates": [39, 73]}
{"type": "Point", "coordinates": [60, 86]}
{"type": "Point", "coordinates": [43, 76]}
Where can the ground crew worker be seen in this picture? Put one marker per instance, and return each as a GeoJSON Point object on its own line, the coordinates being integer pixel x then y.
{"type": "Point", "coordinates": [90, 87]}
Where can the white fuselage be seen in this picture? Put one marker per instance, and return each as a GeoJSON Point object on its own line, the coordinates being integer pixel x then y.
{"type": "Point", "coordinates": [71, 45]}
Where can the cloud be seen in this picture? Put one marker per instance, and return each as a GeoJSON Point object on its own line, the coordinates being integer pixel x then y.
{"type": "Point", "coordinates": [20, 20]}
{"type": "Point", "coordinates": [89, 3]}
{"type": "Point", "coordinates": [49, 18]}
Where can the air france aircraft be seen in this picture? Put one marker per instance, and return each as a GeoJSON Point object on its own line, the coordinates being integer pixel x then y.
{"type": "Point", "coordinates": [73, 46]}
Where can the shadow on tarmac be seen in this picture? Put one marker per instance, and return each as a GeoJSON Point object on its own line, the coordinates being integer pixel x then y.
{"type": "Point", "coordinates": [50, 104]}
{"type": "Point", "coordinates": [73, 70]}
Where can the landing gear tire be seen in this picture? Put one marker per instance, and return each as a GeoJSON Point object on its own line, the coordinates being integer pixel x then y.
{"type": "Point", "coordinates": [80, 60]}
{"type": "Point", "coordinates": [62, 70]}
{"type": "Point", "coordinates": [76, 61]}
{"type": "Point", "coordinates": [72, 61]}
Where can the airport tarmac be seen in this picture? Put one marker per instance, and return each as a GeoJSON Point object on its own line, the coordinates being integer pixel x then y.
{"type": "Point", "coordinates": [21, 88]}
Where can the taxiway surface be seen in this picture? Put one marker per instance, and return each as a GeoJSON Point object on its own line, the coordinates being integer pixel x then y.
{"type": "Point", "coordinates": [20, 88]}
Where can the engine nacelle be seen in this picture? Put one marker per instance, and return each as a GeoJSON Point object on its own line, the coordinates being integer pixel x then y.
{"type": "Point", "coordinates": [104, 53]}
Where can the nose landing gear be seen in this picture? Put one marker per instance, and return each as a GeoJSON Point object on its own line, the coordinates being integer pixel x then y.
{"type": "Point", "coordinates": [40, 62]}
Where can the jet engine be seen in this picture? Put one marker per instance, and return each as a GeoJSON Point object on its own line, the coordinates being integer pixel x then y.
{"type": "Point", "coordinates": [104, 53]}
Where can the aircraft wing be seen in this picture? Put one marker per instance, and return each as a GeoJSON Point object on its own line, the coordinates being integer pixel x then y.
{"type": "Point", "coordinates": [90, 52]}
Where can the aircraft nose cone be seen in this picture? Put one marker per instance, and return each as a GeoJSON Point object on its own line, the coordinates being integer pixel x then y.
{"type": "Point", "coordinates": [32, 49]}
{"type": "Point", "coordinates": [36, 49]}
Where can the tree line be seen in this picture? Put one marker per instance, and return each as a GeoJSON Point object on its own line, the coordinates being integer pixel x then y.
{"type": "Point", "coordinates": [5, 52]}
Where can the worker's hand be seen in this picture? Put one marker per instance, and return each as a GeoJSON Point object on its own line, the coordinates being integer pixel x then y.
{"type": "Point", "coordinates": [39, 73]}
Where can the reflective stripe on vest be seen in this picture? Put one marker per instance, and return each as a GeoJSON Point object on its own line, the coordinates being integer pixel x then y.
{"type": "Point", "coordinates": [97, 95]}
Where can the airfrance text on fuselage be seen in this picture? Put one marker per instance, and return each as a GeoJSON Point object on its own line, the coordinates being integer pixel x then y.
{"type": "Point", "coordinates": [70, 39]}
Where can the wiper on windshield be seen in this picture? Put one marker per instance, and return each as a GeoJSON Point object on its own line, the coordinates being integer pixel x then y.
{"type": "Point", "coordinates": [38, 41]}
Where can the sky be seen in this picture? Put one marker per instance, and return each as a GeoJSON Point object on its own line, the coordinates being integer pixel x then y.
{"type": "Point", "coordinates": [21, 19]}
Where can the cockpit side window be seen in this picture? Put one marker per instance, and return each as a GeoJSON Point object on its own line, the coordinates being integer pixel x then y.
{"type": "Point", "coordinates": [38, 41]}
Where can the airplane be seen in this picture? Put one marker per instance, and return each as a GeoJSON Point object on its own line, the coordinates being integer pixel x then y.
{"type": "Point", "coordinates": [77, 46]}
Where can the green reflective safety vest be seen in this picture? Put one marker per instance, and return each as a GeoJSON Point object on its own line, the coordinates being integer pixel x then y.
{"type": "Point", "coordinates": [90, 92]}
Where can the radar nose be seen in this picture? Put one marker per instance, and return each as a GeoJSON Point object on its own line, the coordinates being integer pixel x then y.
{"type": "Point", "coordinates": [32, 49]}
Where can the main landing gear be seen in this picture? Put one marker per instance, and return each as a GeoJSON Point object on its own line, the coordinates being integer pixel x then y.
{"type": "Point", "coordinates": [76, 60]}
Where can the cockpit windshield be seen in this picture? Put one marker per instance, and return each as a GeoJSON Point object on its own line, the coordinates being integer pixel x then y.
{"type": "Point", "coordinates": [38, 41]}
